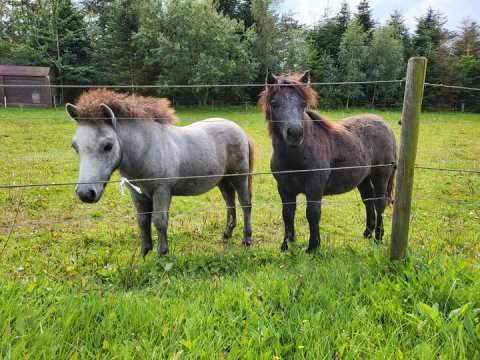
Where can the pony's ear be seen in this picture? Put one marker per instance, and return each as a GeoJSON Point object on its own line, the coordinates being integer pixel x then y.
{"type": "Point", "coordinates": [71, 111]}
{"type": "Point", "coordinates": [271, 79]}
{"type": "Point", "coordinates": [305, 78]}
{"type": "Point", "coordinates": [108, 114]}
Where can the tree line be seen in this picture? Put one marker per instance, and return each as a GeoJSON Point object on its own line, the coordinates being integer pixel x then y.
{"type": "Point", "coordinates": [195, 42]}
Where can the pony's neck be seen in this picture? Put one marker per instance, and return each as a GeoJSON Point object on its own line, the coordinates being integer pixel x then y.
{"type": "Point", "coordinates": [137, 137]}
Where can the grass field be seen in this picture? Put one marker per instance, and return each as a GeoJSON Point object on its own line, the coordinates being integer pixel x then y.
{"type": "Point", "coordinates": [73, 285]}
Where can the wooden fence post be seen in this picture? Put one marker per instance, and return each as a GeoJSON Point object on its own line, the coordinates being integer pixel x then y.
{"type": "Point", "coordinates": [412, 107]}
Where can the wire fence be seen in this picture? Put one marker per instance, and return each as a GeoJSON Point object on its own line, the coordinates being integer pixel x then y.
{"type": "Point", "coordinates": [213, 209]}
{"type": "Point", "coordinates": [452, 87]}
{"type": "Point", "coordinates": [191, 177]}
{"type": "Point", "coordinates": [244, 85]}
{"type": "Point", "coordinates": [14, 223]}
{"type": "Point", "coordinates": [257, 173]}
{"type": "Point", "coordinates": [193, 86]}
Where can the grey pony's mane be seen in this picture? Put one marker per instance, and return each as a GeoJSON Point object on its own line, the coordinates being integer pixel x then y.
{"type": "Point", "coordinates": [124, 106]}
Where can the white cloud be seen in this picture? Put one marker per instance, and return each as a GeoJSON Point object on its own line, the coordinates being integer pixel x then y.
{"type": "Point", "coordinates": [309, 12]}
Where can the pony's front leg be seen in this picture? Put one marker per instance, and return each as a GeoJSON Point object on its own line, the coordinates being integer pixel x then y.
{"type": "Point", "coordinates": [289, 206]}
{"type": "Point", "coordinates": [144, 218]}
{"type": "Point", "coordinates": [313, 217]}
{"type": "Point", "coordinates": [161, 204]}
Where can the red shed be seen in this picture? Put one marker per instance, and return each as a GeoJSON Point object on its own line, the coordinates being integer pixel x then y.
{"type": "Point", "coordinates": [36, 95]}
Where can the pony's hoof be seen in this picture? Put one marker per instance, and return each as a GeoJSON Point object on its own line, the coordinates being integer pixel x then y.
{"type": "Point", "coordinates": [311, 249]}
{"type": "Point", "coordinates": [227, 234]}
{"type": "Point", "coordinates": [284, 246]}
{"type": "Point", "coordinates": [247, 243]}
{"type": "Point", "coordinates": [162, 251]}
{"type": "Point", "coordinates": [379, 236]}
{"type": "Point", "coordinates": [367, 234]}
{"type": "Point", "coordinates": [145, 250]}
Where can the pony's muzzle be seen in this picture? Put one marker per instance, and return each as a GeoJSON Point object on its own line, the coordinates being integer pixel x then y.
{"type": "Point", "coordinates": [88, 193]}
{"type": "Point", "coordinates": [295, 135]}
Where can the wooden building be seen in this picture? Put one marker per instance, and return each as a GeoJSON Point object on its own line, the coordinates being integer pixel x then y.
{"type": "Point", "coordinates": [34, 90]}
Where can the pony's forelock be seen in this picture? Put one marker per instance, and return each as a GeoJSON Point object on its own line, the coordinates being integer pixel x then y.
{"type": "Point", "coordinates": [293, 80]}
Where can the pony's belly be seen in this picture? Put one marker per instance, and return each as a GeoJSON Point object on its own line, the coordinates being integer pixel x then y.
{"type": "Point", "coordinates": [195, 186]}
{"type": "Point", "coordinates": [342, 181]}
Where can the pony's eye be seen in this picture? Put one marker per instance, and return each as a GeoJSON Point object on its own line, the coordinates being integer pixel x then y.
{"type": "Point", "coordinates": [108, 147]}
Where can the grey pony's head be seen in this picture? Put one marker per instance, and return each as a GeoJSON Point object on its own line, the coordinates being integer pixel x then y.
{"type": "Point", "coordinates": [97, 145]}
{"type": "Point", "coordinates": [287, 106]}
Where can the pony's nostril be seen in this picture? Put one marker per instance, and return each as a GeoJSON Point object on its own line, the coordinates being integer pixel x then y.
{"type": "Point", "coordinates": [294, 133]}
{"type": "Point", "coordinates": [92, 194]}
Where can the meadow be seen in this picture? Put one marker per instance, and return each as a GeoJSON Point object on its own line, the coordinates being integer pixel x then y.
{"type": "Point", "coordinates": [73, 284]}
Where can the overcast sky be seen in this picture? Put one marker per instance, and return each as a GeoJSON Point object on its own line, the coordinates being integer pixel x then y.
{"type": "Point", "coordinates": [310, 11]}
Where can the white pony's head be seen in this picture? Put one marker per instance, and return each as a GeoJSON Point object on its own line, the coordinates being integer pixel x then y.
{"type": "Point", "coordinates": [97, 145]}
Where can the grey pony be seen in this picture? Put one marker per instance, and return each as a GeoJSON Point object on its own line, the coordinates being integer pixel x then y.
{"type": "Point", "coordinates": [154, 149]}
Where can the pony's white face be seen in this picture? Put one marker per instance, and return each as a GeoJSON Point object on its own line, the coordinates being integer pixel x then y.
{"type": "Point", "coordinates": [98, 148]}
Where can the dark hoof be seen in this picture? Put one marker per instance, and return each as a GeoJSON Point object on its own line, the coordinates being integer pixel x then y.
{"type": "Point", "coordinates": [379, 235]}
{"type": "Point", "coordinates": [226, 236]}
{"type": "Point", "coordinates": [145, 250]}
{"type": "Point", "coordinates": [367, 234]}
{"type": "Point", "coordinates": [247, 242]}
{"type": "Point", "coordinates": [284, 246]}
{"type": "Point", "coordinates": [162, 252]}
{"type": "Point", "coordinates": [311, 249]}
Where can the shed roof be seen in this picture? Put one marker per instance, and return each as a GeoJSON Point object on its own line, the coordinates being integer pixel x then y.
{"type": "Point", "coordinates": [11, 70]}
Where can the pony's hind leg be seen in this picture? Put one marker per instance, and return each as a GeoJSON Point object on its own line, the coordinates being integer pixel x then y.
{"type": "Point", "coordinates": [366, 192]}
{"type": "Point", "coordinates": [380, 191]}
{"type": "Point", "coordinates": [228, 193]}
{"type": "Point", "coordinates": [240, 183]}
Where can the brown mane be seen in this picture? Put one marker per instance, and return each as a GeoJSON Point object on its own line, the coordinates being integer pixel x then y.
{"type": "Point", "coordinates": [124, 106]}
{"type": "Point", "coordinates": [305, 91]}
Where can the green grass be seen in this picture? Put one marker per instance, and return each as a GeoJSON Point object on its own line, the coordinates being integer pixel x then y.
{"type": "Point", "coordinates": [73, 285]}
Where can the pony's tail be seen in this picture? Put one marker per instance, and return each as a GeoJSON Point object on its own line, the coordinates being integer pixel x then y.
{"type": "Point", "coordinates": [391, 183]}
{"type": "Point", "coordinates": [251, 161]}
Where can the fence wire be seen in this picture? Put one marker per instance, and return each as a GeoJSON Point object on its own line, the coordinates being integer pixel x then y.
{"type": "Point", "coordinates": [214, 209]}
{"type": "Point", "coordinates": [195, 86]}
{"type": "Point", "coordinates": [14, 186]}
{"type": "Point", "coordinates": [258, 173]}
{"type": "Point", "coordinates": [452, 87]}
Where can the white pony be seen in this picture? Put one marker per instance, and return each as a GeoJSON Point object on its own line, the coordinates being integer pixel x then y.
{"type": "Point", "coordinates": [134, 134]}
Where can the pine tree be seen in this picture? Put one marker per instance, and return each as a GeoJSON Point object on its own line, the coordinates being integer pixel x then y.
{"type": "Point", "coordinates": [430, 35]}
{"type": "Point", "coordinates": [236, 9]}
{"type": "Point", "coordinates": [326, 35]}
{"type": "Point", "coordinates": [400, 32]}
{"type": "Point", "coordinates": [118, 59]}
{"type": "Point", "coordinates": [364, 17]}
{"type": "Point", "coordinates": [467, 40]}
{"type": "Point", "coordinates": [267, 42]}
